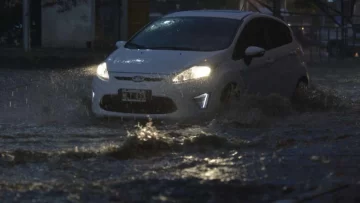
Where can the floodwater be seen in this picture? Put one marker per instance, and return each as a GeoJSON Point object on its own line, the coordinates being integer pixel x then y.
{"type": "Point", "coordinates": [53, 150]}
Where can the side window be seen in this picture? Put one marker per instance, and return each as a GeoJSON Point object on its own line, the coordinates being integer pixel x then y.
{"type": "Point", "coordinates": [278, 34]}
{"type": "Point", "coordinates": [253, 34]}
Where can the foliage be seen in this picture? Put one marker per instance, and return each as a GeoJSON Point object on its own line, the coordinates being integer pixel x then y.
{"type": "Point", "coordinates": [64, 5]}
{"type": "Point", "coordinates": [10, 14]}
{"type": "Point", "coordinates": [305, 5]}
{"type": "Point", "coordinates": [214, 4]}
{"type": "Point", "coordinates": [10, 4]}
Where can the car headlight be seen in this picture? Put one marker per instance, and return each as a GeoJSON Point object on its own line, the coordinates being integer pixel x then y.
{"type": "Point", "coordinates": [102, 71]}
{"type": "Point", "coordinates": [192, 73]}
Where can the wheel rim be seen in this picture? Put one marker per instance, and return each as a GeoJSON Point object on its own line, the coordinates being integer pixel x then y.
{"type": "Point", "coordinates": [301, 89]}
{"type": "Point", "coordinates": [231, 92]}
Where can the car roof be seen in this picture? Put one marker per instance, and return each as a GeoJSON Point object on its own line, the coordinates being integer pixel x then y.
{"type": "Point", "coordinates": [231, 14]}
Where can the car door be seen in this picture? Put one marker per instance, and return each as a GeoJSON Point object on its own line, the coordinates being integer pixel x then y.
{"type": "Point", "coordinates": [254, 72]}
{"type": "Point", "coordinates": [279, 52]}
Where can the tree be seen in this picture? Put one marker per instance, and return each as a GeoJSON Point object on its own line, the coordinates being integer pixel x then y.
{"type": "Point", "coordinates": [308, 6]}
{"type": "Point", "coordinates": [63, 5]}
{"type": "Point", "coordinates": [232, 4]}
{"type": "Point", "coordinates": [10, 13]}
{"type": "Point", "coordinates": [10, 19]}
{"type": "Point", "coordinates": [10, 3]}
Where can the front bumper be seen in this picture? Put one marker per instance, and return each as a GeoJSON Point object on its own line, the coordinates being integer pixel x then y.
{"type": "Point", "coordinates": [169, 101]}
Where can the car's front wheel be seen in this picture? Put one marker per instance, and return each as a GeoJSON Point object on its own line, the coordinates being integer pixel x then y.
{"type": "Point", "coordinates": [230, 93]}
{"type": "Point", "coordinates": [300, 90]}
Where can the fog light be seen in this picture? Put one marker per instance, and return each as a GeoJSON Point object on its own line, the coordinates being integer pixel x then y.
{"type": "Point", "coordinates": [202, 100]}
{"type": "Point", "coordinates": [93, 95]}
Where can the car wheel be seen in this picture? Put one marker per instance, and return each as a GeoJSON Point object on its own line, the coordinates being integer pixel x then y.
{"type": "Point", "coordinates": [300, 90]}
{"type": "Point", "coordinates": [231, 92]}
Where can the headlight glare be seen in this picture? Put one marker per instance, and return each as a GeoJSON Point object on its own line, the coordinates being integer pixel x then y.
{"type": "Point", "coordinates": [192, 73]}
{"type": "Point", "coordinates": [102, 71]}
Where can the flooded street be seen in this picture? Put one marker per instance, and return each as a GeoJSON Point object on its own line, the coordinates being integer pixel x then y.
{"type": "Point", "coordinates": [54, 150]}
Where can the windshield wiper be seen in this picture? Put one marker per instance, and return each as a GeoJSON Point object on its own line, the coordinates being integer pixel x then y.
{"type": "Point", "coordinates": [174, 48]}
{"type": "Point", "coordinates": [137, 46]}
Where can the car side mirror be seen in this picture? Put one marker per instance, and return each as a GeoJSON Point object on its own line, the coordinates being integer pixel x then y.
{"type": "Point", "coordinates": [120, 44]}
{"type": "Point", "coordinates": [254, 51]}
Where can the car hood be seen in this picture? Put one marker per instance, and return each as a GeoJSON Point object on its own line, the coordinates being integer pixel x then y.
{"type": "Point", "coordinates": [157, 61]}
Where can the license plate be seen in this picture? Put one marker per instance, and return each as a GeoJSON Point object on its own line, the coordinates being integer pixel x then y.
{"type": "Point", "coordinates": [130, 95]}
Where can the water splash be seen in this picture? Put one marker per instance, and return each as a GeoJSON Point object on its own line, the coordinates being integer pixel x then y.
{"type": "Point", "coordinates": [321, 99]}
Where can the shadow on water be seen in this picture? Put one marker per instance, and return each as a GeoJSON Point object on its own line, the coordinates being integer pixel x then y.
{"type": "Point", "coordinates": [162, 190]}
{"type": "Point", "coordinates": [194, 190]}
{"type": "Point", "coordinates": [152, 190]}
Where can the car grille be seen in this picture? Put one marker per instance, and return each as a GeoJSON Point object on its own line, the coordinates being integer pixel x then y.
{"type": "Point", "coordinates": [145, 79]}
{"type": "Point", "coordinates": [157, 105]}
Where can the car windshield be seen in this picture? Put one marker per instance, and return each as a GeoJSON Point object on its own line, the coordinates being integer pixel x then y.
{"type": "Point", "coordinates": [186, 33]}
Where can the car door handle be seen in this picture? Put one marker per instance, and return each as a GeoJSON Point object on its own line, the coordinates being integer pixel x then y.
{"type": "Point", "coordinates": [270, 60]}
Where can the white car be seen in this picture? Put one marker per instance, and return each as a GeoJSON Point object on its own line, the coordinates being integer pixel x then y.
{"type": "Point", "coordinates": [187, 65]}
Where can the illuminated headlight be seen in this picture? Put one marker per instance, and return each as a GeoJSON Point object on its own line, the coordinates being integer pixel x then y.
{"type": "Point", "coordinates": [102, 71]}
{"type": "Point", "coordinates": [193, 73]}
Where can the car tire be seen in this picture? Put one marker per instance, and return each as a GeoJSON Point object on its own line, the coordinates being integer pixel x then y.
{"type": "Point", "coordinates": [230, 92]}
{"type": "Point", "coordinates": [300, 90]}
